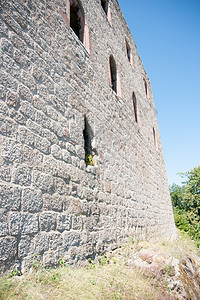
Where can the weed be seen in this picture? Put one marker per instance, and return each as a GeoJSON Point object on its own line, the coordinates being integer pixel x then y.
{"type": "Point", "coordinates": [89, 159]}
{"type": "Point", "coordinates": [62, 262]}
{"type": "Point", "coordinates": [132, 240]}
{"type": "Point", "coordinates": [91, 263]}
{"type": "Point", "coordinates": [55, 276]}
{"type": "Point", "coordinates": [103, 260]}
{"type": "Point", "coordinates": [15, 272]}
{"type": "Point", "coordinates": [114, 260]}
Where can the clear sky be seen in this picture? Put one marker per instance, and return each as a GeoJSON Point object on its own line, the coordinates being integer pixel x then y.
{"type": "Point", "coordinates": [167, 36]}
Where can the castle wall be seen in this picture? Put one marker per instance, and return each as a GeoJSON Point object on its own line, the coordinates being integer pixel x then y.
{"type": "Point", "coordinates": [52, 204]}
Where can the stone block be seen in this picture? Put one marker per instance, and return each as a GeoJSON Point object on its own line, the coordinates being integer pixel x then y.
{"type": "Point", "coordinates": [10, 197]}
{"type": "Point", "coordinates": [71, 238]}
{"type": "Point", "coordinates": [22, 176]}
{"type": "Point", "coordinates": [61, 187]}
{"type": "Point", "coordinates": [3, 224]}
{"type": "Point", "coordinates": [8, 248]}
{"type": "Point", "coordinates": [8, 81]}
{"type": "Point", "coordinates": [39, 103]}
{"type": "Point", "coordinates": [66, 156]}
{"type": "Point", "coordinates": [28, 80]}
{"type": "Point", "coordinates": [5, 173]}
{"type": "Point", "coordinates": [26, 136]}
{"type": "Point", "coordinates": [6, 46]}
{"type": "Point", "coordinates": [63, 222]}
{"type": "Point", "coordinates": [40, 243]}
{"type": "Point", "coordinates": [3, 108]}
{"type": "Point", "coordinates": [77, 223]}
{"type": "Point", "coordinates": [34, 127]}
{"type": "Point", "coordinates": [53, 202]}
{"type": "Point", "coordinates": [52, 257]}
{"type": "Point", "coordinates": [37, 73]}
{"type": "Point", "coordinates": [107, 187]}
{"type": "Point", "coordinates": [70, 148]}
{"type": "Point", "coordinates": [42, 144]}
{"type": "Point", "coordinates": [24, 246]}
{"type": "Point", "coordinates": [32, 157]}
{"type": "Point", "coordinates": [27, 110]}
{"type": "Point", "coordinates": [43, 120]}
{"type": "Point", "coordinates": [8, 127]}
{"type": "Point", "coordinates": [43, 181]}
{"type": "Point", "coordinates": [57, 103]}
{"type": "Point", "coordinates": [64, 171]}
{"type": "Point", "coordinates": [11, 67]}
{"type": "Point", "coordinates": [55, 240]}
{"type": "Point", "coordinates": [56, 151]}
{"type": "Point", "coordinates": [12, 99]}
{"type": "Point", "coordinates": [25, 93]}
{"type": "Point", "coordinates": [11, 22]}
{"type": "Point", "coordinates": [57, 129]}
{"type": "Point", "coordinates": [3, 29]}
{"type": "Point", "coordinates": [31, 200]}
{"type": "Point", "coordinates": [17, 117]}
{"type": "Point", "coordinates": [20, 20]}
{"type": "Point", "coordinates": [49, 84]}
{"type": "Point", "coordinates": [20, 223]}
{"type": "Point", "coordinates": [50, 136]}
{"type": "Point", "coordinates": [72, 206]}
{"type": "Point", "coordinates": [48, 221]}
{"type": "Point", "coordinates": [50, 166]}
{"type": "Point", "coordinates": [21, 59]}
{"type": "Point", "coordinates": [11, 151]}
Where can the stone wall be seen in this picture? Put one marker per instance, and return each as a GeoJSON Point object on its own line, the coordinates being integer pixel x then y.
{"type": "Point", "coordinates": [53, 86]}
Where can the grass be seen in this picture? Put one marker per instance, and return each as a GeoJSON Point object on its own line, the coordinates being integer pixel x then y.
{"type": "Point", "coordinates": [102, 282]}
{"type": "Point", "coordinates": [110, 278]}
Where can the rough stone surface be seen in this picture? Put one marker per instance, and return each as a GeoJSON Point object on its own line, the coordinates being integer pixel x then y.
{"type": "Point", "coordinates": [52, 85]}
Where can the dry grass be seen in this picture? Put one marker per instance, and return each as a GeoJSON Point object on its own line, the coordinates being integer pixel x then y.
{"type": "Point", "coordinates": [102, 282]}
{"type": "Point", "coordinates": [112, 278]}
{"type": "Point", "coordinates": [177, 248]}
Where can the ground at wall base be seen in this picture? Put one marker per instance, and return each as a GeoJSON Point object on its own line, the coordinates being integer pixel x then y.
{"type": "Point", "coordinates": [144, 270]}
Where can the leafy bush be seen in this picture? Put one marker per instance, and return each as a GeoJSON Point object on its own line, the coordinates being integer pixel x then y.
{"type": "Point", "coordinates": [186, 204]}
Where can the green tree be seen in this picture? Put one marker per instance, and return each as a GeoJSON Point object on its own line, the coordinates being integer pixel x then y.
{"type": "Point", "coordinates": [176, 192]}
{"type": "Point", "coordinates": [186, 203]}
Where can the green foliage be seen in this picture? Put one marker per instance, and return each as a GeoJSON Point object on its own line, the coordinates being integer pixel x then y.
{"type": "Point", "coordinates": [89, 159]}
{"type": "Point", "coordinates": [15, 272]}
{"type": "Point", "coordinates": [91, 263]}
{"type": "Point", "coordinates": [176, 195]}
{"type": "Point", "coordinates": [132, 240]}
{"type": "Point", "coordinates": [103, 260]}
{"type": "Point", "coordinates": [186, 204]}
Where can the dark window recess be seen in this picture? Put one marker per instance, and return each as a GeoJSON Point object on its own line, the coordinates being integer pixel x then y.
{"type": "Point", "coordinates": [76, 20]}
{"type": "Point", "coordinates": [154, 137]}
{"type": "Point", "coordinates": [135, 107]}
{"type": "Point", "coordinates": [113, 74]}
{"type": "Point", "coordinates": [145, 86]}
{"type": "Point", "coordinates": [128, 50]}
{"type": "Point", "coordinates": [88, 137]}
{"type": "Point", "coordinates": [104, 4]}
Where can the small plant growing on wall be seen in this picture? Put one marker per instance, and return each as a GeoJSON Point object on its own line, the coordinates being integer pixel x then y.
{"type": "Point", "coordinates": [89, 159]}
{"type": "Point", "coordinates": [88, 137]}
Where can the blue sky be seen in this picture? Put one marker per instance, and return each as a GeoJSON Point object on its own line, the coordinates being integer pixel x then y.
{"type": "Point", "coordinates": [167, 36]}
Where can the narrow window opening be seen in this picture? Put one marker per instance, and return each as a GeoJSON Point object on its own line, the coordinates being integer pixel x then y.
{"type": "Point", "coordinates": [135, 107]}
{"type": "Point", "coordinates": [146, 88]}
{"type": "Point", "coordinates": [113, 74]}
{"type": "Point", "coordinates": [154, 138]}
{"type": "Point", "coordinates": [88, 138]}
{"type": "Point", "coordinates": [76, 19]}
{"type": "Point", "coordinates": [104, 4]}
{"type": "Point", "coordinates": [128, 51]}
